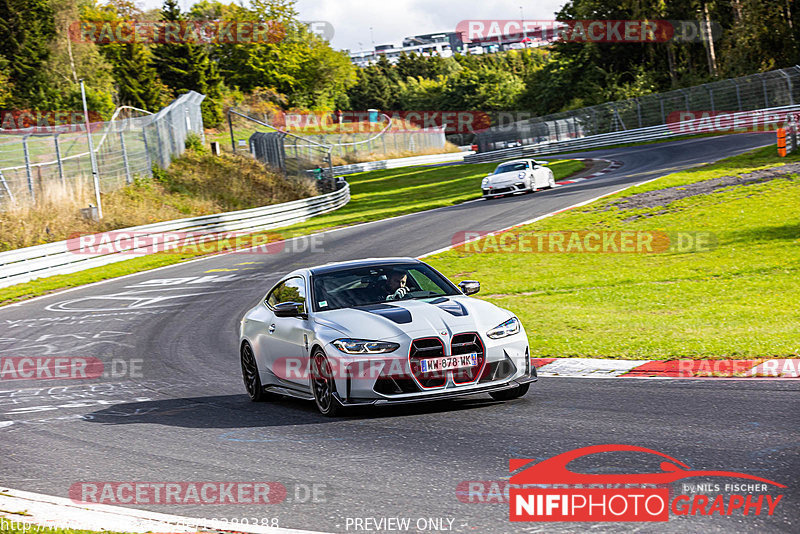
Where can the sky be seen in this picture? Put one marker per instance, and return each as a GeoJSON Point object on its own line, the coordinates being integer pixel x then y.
{"type": "Point", "coordinates": [391, 20]}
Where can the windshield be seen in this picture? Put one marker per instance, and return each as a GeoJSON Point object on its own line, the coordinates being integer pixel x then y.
{"type": "Point", "coordinates": [510, 167]}
{"type": "Point", "coordinates": [362, 286]}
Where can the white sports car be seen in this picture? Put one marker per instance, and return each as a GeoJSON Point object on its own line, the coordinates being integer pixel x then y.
{"type": "Point", "coordinates": [518, 176]}
{"type": "Point", "coordinates": [380, 331]}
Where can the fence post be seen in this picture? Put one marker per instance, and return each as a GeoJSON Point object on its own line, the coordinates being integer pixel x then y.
{"type": "Point", "coordinates": [92, 155]}
{"type": "Point", "coordinates": [5, 186]}
{"type": "Point", "coordinates": [58, 160]}
{"type": "Point", "coordinates": [128, 179]}
{"type": "Point", "coordinates": [766, 98]}
{"type": "Point", "coordinates": [738, 94]}
{"type": "Point", "coordinates": [28, 166]}
{"type": "Point", "coordinates": [711, 97]}
{"type": "Point", "coordinates": [789, 86]}
{"type": "Point", "coordinates": [230, 127]}
{"type": "Point", "coordinates": [639, 111]}
{"type": "Point", "coordinates": [159, 146]}
{"type": "Point", "coordinates": [147, 151]}
{"type": "Point", "coordinates": [619, 117]}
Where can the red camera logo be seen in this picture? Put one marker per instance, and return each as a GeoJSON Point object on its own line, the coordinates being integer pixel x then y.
{"type": "Point", "coordinates": [588, 502]}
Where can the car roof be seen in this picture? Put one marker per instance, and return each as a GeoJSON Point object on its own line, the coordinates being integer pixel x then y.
{"type": "Point", "coordinates": [514, 161]}
{"type": "Point", "coordinates": [368, 262]}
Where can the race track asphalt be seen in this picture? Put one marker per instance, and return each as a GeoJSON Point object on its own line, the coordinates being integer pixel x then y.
{"type": "Point", "coordinates": [182, 414]}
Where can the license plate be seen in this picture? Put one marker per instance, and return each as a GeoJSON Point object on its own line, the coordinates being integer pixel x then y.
{"type": "Point", "coordinates": [449, 362]}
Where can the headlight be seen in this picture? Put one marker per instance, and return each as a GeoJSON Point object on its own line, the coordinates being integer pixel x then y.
{"type": "Point", "coordinates": [363, 346]}
{"type": "Point", "coordinates": [485, 182]}
{"type": "Point", "coordinates": [508, 328]}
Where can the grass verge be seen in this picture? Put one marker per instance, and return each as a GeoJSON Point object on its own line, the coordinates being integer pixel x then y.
{"type": "Point", "coordinates": [734, 299]}
{"type": "Point", "coordinates": [374, 195]}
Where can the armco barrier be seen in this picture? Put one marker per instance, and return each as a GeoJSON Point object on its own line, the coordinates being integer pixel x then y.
{"type": "Point", "coordinates": [343, 170]}
{"type": "Point", "coordinates": [651, 133]}
{"type": "Point", "coordinates": [23, 265]}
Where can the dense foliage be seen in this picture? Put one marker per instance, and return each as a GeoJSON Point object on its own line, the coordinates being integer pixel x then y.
{"type": "Point", "coordinates": [756, 36]}
{"type": "Point", "coordinates": [41, 63]}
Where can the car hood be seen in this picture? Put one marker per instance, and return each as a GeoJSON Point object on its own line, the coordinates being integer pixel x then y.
{"type": "Point", "coordinates": [414, 318]}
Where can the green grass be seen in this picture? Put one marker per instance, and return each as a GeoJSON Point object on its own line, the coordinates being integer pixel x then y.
{"type": "Point", "coordinates": [374, 195]}
{"type": "Point", "coordinates": [738, 300]}
{"type": "Point", "coordinates": [382, 194]}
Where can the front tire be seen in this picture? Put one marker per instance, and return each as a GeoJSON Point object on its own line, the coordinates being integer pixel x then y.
{"type": "Point", "coordinates": [252, 380]}
{"type": "Point", "coordinates": [323, 385]}
{"type": "Point", "coordinates": [511, 393]}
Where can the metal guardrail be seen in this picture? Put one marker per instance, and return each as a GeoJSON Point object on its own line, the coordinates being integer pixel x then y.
{"type": "Point", "coordinates": [639, 135]}
{"type": "Point", "coordinates": [22, 265]}
{"type": "Point", "coordinates": [342, 170]}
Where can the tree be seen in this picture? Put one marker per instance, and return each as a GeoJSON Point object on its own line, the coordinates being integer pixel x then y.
{"type": "Point", "coordinates": [135, 77]}
{"type": "Point", "coordinates": [5, 84]}
{"type": "Point", "coordinates": [482, 90]}
{"type": "Point", "coordinates": [300, 65]}
{"type": "Point", "coordinates": [371, 90]}
{"type": "Point", "coordinates": [185, 66]}
{"type": "Point", "coordinates": [27, 28]}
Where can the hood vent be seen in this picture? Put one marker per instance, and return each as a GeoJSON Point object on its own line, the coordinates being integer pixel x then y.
{"type": "Point", "coordinates": [393, 313]}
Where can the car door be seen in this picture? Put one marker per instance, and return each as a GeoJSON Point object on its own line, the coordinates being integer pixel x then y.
{"type": "Point", "coordinates": [540, 178]}
{"type": "Point", "coordinates": [288, 336]}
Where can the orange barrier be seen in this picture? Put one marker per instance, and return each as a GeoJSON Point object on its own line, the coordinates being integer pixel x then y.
{"type": "Point", "coordinates": [782, 142]}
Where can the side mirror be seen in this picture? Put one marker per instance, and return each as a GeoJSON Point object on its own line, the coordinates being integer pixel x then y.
{"type": "Point", "coordinates": [289, 309]}
{"type": "Point", "coordinates": [469, 287]}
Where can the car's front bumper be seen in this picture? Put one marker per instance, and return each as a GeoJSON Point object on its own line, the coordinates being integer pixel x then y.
{"type": "Point", "coordinates": [504, 189]}
{"type": "Point", "coordinates": [427, 396]}
{"type": "Point", "coordinates": [391, 379]}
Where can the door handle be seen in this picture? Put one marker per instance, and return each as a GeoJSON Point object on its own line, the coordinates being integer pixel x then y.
{"type": "Point", "coordinates": [272, 328]}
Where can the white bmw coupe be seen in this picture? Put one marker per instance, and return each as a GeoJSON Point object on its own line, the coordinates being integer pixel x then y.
{"type": "Point", "coordinates": [380, 331]}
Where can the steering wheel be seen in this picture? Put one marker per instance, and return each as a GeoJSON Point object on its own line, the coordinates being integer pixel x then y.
{"type": "Point", "coordinates": [401, 293]}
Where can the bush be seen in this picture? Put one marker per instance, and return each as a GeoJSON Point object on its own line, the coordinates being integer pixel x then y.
{"type": "Point", "coordinates": [194, 142]}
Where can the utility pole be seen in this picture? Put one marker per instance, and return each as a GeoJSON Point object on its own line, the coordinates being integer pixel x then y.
{"type": "Point", "coordinates": [92, 156]}
{"type": "Point", "coordinates": [712, 56]}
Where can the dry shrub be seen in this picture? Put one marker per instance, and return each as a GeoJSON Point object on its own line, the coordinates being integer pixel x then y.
{"type": "Point", "coordinates": [195, 184]}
